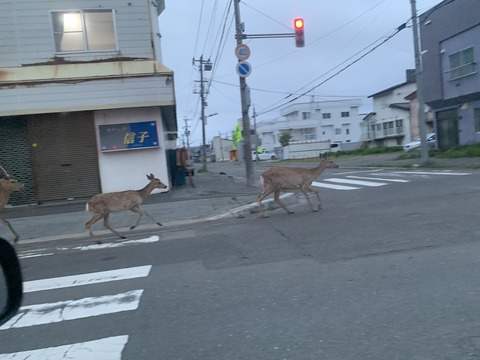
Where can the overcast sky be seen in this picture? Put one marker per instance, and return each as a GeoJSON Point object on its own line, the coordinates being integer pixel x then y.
{"type": "Point", "coordinates": [337, 34]}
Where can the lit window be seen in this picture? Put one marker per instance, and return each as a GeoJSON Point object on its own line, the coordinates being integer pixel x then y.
{"type": "Point", "coordinates": [84, 30]}
{"type": "Point", "coordinates": [461, 63]}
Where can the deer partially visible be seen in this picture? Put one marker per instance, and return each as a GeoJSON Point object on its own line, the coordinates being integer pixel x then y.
{"type": "Point", "coordinates": [285, 178]}
{"type": "Point", "coordinates": [8, 185]}
{"type": "Point", "coordinates": [101, 205]}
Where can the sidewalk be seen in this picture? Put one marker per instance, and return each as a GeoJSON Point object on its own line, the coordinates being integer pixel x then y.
{"type": "Point", "coordinates": [213, 196]}
{"type": "Point", "coordinates": [216, 194]}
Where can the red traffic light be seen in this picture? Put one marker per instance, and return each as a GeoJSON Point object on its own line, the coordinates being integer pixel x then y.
{"type": "Point", "coordinates": [299, 33]}
{"type": "Point", "coordinates": [298, 23]}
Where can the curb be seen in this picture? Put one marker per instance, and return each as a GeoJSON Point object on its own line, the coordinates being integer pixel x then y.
{"type": "Point", "coordinates": [239, 212]}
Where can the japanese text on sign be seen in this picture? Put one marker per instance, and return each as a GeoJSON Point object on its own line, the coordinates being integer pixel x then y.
{"type": "Point", "coordinates": [139, 135]}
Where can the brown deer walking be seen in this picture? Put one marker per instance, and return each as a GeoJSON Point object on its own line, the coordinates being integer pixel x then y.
{"type": "Point", "coordinates": [101, 205]}
{"type": "Point", "coordinates": [8, 185]}
{"type": "Point", "coordinates": [285, 178]}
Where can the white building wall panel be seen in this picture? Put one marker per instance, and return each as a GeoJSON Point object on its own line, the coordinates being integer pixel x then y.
{"type": "Point", "coordinates": [115, 175]}
{"type": "Point", "coordinates": [87, 95]}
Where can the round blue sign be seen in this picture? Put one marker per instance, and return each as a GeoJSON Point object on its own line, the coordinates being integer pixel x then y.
{"type": "Point", "coordinates": [243, 68]}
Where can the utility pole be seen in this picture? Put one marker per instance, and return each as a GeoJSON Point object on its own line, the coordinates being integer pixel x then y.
{"type": "Point", "coordinates": [205, 65]}
{"type": "Point", "coordinates": [419, 80]}
{"type": "Point", "coordinates": [247, 144]}
{"type": "Point", "coordinates": [255, 131]}
{"type": "Point", "coordinates": [187, 133]}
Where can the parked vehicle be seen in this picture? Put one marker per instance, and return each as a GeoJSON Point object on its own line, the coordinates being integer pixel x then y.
{"type": "Point", "coordinates": [335, 147]}
{"type": "Point", "coordinates": [265, 155]}
{"type": "Point", "coordinates": [416, 144]}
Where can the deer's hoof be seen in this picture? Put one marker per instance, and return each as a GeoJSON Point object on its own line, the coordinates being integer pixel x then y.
{"type": "Point", "coordinates": [263, 216]}
{"type": "Point", "coordinates": [291, 212]}
{"type": "Point", "coordinates": [159, 224]}
{"type": "Point", "coordinates": [98, 242]}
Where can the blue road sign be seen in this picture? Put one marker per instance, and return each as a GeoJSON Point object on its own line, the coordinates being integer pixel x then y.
{"type": "Point", "coordinates": [243, 68]}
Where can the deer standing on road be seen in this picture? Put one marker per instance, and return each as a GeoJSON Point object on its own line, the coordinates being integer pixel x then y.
{"type": "Point", "coordinates": [8, 185]}
{"type": "Point", "coordinates": [285, 178]}
{"type": "Point", "coordinates": [101, 205]}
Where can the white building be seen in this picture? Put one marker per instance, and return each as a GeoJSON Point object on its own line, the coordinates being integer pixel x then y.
{"type": "Point", "coordinates": [389, 124]}
{"type": "Point", "coordinates": [337, 121]}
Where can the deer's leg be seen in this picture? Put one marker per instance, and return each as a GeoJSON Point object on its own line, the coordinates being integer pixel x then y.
{"type": "Point", "coordinates": [141, 212]}
{"type": "Point", "coordinates": [267, 191]}
{"type": "Point", "coordinates": [106, 223]}
{"type": "Point", "coordinates": [310, 189]}
{"type": "Point", "coordinates": [92, 221]}
{"type": "Point", "coordinates": [276, 196]}
{"type": "Point", "coordinates": [7, 224]}
{"type": "Point", "coordinates": [305, 190]}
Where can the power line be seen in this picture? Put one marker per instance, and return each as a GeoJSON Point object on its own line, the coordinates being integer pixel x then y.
{"type": "Point", "coordinates": [400, 28]}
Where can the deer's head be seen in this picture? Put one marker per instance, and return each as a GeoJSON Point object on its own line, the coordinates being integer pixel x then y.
{"type": "Point", "coordinates": [8, 185]}
{"type": "Point", "coordinates": [329, 164]}
{"type": "Point", "coordinates": [157, 184]}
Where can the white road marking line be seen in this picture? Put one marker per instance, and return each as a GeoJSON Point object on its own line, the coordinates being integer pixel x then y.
{"type": "Point", "coordinates": [103, 349]}
{"type": "Point", "coordinates": [355, 182]}
{"type": "Point", "coordinates": [118, 244]}
{"type": "Point", "coordinates": [86, 279]}
{"type": "Point", "coordinates": [333, 186]}
{"type": "Point", "coordinates": [30, 254]}
{"type": "Point", "coordinates": [380, 179]}
{"type": "Point", "coordinates": [432, 173]}
{"type": "Point", "coordinates": [48, 313]}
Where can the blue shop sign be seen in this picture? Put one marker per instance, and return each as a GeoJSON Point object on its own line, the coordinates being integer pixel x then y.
{"type": "Point", "coordinates": [131, 136]}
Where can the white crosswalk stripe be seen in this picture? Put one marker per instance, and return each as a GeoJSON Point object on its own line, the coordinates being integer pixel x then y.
{"type": "Point", "coordinates": [50, 313]}
{"type": "Point", "coordinates": [103, 349]}
{"type": "Point", "coordinates": [333, 186]}
{"type": "Point", "coordinates": [377, 179]}
{"type": "Point", "coordinates": [355, 182]}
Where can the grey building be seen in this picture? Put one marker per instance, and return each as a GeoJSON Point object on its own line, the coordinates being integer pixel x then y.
{"type": "Point", "coordinates": [450, 42]}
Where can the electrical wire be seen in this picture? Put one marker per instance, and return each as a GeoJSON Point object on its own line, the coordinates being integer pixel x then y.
{"type": "Point", "coordinates": [400, 28]}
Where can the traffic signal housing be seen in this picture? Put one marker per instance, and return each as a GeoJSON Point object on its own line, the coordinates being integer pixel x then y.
{"type": "Point", "coordinates": [298, 24]}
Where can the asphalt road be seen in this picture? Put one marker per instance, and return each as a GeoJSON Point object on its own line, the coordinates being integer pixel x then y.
{"type": "Point", "coordinates": [381, 272]}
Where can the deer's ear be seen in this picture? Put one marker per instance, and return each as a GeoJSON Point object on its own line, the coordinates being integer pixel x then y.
{"type": "Point", "coordinates": [150, 177]}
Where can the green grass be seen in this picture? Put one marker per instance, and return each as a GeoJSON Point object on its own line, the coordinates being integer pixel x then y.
{"type": "Point", "coordinates": [457, 152]}
{"type": "Point", "coordinates": [461, 151]}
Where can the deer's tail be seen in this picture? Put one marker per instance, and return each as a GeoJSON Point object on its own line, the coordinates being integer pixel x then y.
{"type": "Point", "coordinates": [86, 208]}
{"type": "Point", "coordinates": [261, 181]}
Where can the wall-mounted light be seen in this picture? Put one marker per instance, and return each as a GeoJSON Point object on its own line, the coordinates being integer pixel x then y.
{"type": "Point", "coordinates": [168, 80]}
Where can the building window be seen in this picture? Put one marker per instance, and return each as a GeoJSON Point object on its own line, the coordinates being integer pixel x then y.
{"type": "Point", "coordinates": [347, 131]}
{"type": "Point", "coordinates": [461, 63]}
{"type": "Point", "coordinates": [309, 134]}
{"type": "Point", "coordinates": [345, 114]}
{"type": "Point", "coordinates": [305, 115]}
{"type": "Point", "coordinates": [83, 30]}
{"type": "Point", "coordinates": [338, 131]}
{"type": "Point", "coordinates": [326, 116]}
{"type": "Point", "coordinates": [477, 120]}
